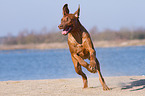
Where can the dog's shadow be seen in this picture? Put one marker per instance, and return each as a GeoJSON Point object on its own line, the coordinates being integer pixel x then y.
{"type": "Point", "coordinates": [135, 85]}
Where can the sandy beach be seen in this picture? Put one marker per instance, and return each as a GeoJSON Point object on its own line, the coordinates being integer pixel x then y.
{"type": "Point", "coordinates": [121, 86]}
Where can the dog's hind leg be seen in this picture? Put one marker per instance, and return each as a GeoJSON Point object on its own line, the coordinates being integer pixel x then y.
{"type": "Point", "coordinates": [102, 81]}
{"type": "Point", "coordinates": [79, 71]}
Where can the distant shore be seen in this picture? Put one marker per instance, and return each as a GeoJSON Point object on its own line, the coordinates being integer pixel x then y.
{"type": "Point", "coordinates": [121, 43]}
{"type": "Point", "coordinates": [121, 86]}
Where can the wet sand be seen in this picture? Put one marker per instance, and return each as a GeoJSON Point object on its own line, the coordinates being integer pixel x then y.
{"type": "Point", "coordinates": [121, 86]}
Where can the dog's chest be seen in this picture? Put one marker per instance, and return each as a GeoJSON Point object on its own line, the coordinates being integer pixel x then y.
{"type": "Point", "coordinates": [78, 48]}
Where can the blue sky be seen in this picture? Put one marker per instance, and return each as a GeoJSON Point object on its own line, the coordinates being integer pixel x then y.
{"type": "Point", "coordinates": [17, 15]}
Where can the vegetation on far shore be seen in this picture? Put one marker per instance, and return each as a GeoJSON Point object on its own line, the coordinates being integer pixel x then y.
{"type": "Point", "coordinates": [44, 36]}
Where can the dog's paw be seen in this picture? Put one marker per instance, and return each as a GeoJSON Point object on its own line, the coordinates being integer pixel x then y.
{"type": "Point", "coordinates": [105, 88]}
{"type": "Point", "coordinates": [92, 69]}
{"type": "Point", "coordinates": [93, 66]}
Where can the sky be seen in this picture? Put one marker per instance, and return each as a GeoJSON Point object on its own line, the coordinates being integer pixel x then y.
{"type": "Point", "coordinates": [18, 15]}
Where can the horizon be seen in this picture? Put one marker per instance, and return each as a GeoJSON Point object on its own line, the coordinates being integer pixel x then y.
{"type": "Point", "coordinates": [35, 15]}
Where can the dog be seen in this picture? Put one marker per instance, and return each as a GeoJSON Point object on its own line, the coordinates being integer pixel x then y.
{"type": "Point", "coordinates": [80, 46]}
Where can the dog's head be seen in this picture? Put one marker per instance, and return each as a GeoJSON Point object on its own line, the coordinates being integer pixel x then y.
{"type": "Point", "coordinates": [68, 21]}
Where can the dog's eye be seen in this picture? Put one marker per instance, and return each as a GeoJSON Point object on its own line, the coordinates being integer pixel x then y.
{"type": "Point", "coordinates": [62, 20]}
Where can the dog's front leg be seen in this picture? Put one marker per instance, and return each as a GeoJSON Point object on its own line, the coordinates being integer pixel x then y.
{"type": "Point", "coordinates": [92, 56]}
{"type": "Point", "coordinates": [93, 62]}
{"type": "Point", "coordinates": [83, 63]}
{"type": "Point", "coordinates": [79, 71]}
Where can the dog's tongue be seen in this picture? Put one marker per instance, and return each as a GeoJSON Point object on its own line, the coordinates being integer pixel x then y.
{"type": "Point", "coordinates": [64, 32]}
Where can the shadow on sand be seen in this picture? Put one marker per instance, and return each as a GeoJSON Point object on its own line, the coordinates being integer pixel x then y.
{"type": "Point", "coordinates": [135, 85]}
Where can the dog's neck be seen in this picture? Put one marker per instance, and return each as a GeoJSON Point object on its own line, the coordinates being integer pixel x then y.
{"type": "Point", "coordinates": [77, 32]}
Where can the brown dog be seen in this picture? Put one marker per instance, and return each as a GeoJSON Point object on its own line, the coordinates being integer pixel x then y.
{"type": "Point", "coordinates": [80, 45]}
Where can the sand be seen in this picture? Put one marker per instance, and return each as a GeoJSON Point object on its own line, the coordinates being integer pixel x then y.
{"type": "Point", "coordinates": [121, 86]}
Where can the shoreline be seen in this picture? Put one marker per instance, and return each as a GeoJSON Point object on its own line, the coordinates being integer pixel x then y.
{"type": "Point", "coordinates": [64, 45]}
{"type": "Point", "coordinates": [120, 85]}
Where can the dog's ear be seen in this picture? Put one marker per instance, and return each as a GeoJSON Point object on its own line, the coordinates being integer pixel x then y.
{"type": "Point", "coordinates": [77, 13]}
{"type": "Point", "coordinates": [65, 9]}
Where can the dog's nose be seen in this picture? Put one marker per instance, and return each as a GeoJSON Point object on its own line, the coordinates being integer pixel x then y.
{"type": "Point", "coordinates": [60, 26]}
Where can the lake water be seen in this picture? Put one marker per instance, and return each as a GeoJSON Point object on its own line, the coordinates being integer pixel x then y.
{"type": "Point", "coordinates": [57, 63]}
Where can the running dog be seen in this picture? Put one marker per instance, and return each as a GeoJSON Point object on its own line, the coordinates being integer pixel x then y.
{"type": "Point", "coordinates": [80, 46]}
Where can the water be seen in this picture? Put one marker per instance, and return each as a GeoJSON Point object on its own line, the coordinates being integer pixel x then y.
{"type": "Point", "coordinates": [55, 64]}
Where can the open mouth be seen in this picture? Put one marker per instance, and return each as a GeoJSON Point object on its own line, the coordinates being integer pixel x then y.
{"type": "Point", "coordinates": [66, 30]}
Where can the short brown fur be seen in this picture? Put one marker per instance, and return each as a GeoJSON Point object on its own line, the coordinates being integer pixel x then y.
{"type": "Point", "coordinates": [80, 46]}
